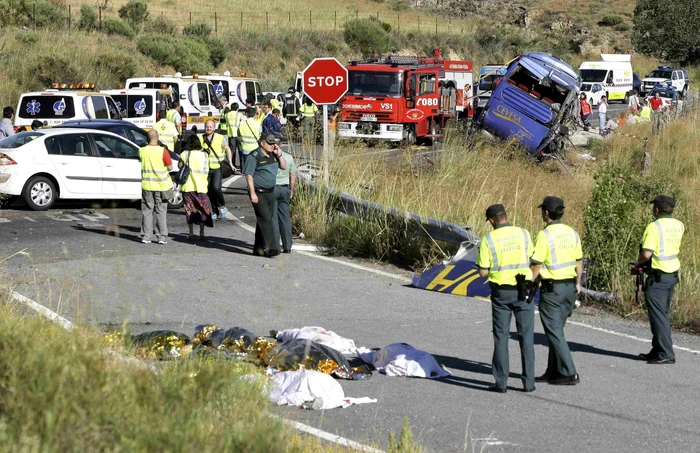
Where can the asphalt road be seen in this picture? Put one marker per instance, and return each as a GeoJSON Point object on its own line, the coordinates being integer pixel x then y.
{"type": "Point", "coordinates": [88, 264]}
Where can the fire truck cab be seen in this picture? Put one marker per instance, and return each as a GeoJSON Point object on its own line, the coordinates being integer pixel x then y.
{"type": "Point", "coordinates": [398, 98]}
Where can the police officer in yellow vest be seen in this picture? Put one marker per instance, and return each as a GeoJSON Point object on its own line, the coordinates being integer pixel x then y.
{"type": "Point", "coordinates": [660, 244]}
{"type": "Point", "coordinates": [308, 117]}
{"type": "Point", "coordinates": [218, 149]}
{"type": "Point", "coordinates": [249, 133]}
{"type": "Point", "coordinates": [504, 256]}
{"type": "Point", "coordinates": [155, 183]}
{"type": "Point", "coordinates": [167, 133]}
{"type": "Point", "coordinates": [558, 259]}
{"type": "Point", "coordinates": [233, 121]}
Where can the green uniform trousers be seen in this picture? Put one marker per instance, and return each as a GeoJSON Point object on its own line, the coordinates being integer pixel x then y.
{"type": "Point", "coordinates": [504, 302]}
{"type": "Point", "coordinates": [658, 292]}
{"type": "Point", "coordinates": [555, 307]}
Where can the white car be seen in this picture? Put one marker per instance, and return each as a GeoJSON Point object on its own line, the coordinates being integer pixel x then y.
{"type": "Point", "coordinates": [45, 165]}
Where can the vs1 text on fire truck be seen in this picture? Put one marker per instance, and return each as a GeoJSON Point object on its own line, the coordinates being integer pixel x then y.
{"type": "Point", "coordinates": [397, 98]}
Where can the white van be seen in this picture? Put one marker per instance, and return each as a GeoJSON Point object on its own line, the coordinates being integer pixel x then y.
{"type": "Point", "coordinates": [235, 89]}
{"type": "Point", "coordinates": [141, 106]}
{"type": "Point", "coordinates": [63, 103]}
{"type": "Point", "coordinates": [612, 76]}
{"type": "Point", "coordinates": [198, 101]}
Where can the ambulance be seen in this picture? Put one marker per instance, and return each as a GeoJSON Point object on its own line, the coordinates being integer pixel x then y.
{"type": "Point", "coordinates": [64, 102]}
{"type": "Point", "coordinates": [198, 100]}
{"type": "Point", "coordinates": [141, 106]}
{"type": "Point", "coordinates": [235, 89]}
{"type": "Point", "coordinates": [611, 76]}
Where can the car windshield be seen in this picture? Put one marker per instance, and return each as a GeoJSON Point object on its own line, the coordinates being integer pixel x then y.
{"type": "Point", "coordinates": [373, 83]}
{"type": "Point", "coordinates": [17, 140]}
{"type": "Point", "coordinates": [658, 74]}
{"type": "Point", "coordinates": [592, 75]}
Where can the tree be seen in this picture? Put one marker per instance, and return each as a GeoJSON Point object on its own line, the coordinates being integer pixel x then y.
{"type": "Point", "coordinates": [668, 30]}
{"type": "Point", "coordinates": [135, 13]}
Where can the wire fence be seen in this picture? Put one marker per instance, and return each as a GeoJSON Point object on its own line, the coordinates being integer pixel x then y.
{"type": "Point", "coordinates": [225, 20]}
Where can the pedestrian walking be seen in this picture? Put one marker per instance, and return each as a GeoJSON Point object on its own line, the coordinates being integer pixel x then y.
{"type": "Point", "coordinates": [658, 253]}
{"type": "Point", "coordinates": [602, 112]}
{"type": "Point", "coordinates": [585, 109]}
{"type": "Point", "coordinates": [156, 189]}
{"type": "Point", "coordinates": [167, 133]}
{"type": "Point", "coordinates": [6, 126]}
{"type": "Point", "coordinates": [504, 256]}
{"type": "Point", "coordinates": [249, 133]}
{"type": "Point", "coordinates": [657, 112]}
{"type": "Point", "coordinates": [558, 260]}
{"type": "Point", "coordinates": [218, 150]}
{"type": "Point", "coordinates": [198, 209]}
{"type": "Point", "coordinates": [233, 121]}
{"type": "Point", "coordinates": [284, 192]}
{"type": "Point", "coordinates": [260, 169]}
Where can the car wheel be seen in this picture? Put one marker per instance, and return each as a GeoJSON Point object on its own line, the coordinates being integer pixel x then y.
{"type": "Point", "coordinates": [410, 139]}
{"type": "Point", "coordinates": [626, 99]}
{"type": "Point", "coordinates": [39, 193]}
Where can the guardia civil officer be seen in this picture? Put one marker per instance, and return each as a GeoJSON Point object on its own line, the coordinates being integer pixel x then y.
{"type": "Point", "coordinates": [260, 169]}
{"type": "Point", "coordinates": [504, 254]}
{"type": "Point", "coordinates": [558, 259]}
{"type": "Point", "coordinates": [660, 244]}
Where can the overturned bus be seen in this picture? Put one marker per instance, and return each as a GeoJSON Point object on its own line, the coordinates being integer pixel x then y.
{"type": "Point", "coordinates": [533, 102]}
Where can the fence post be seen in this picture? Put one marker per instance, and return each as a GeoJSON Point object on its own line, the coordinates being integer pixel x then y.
{"type": "Point", "coordinates": [290, 18]}
{"type": "Point", "coordinates": [436, 19]}
{"type": "Point", "coordinates": [418, 24]}
{"type": "Point", "coordinates": [99, 9]}
{"type": "Point", "coordinates": [241, 21]}
{"type": "Point", "coordinates": [267, 20]}
{"type": "Point", "coordinates": [69, 18]}
{"type": "Point", "coordinates": [190, 17]}
{"type": "Point", "coordinates": [309, 19]}
{"type": "Point", "coordinates": [216, 24]}
{"type": "Point", "coordinates": [335, 20]}
{"type": "Point", "coordinates": [398, 20]}
{"type": "Point", "coordinates": [356, 14]}
{"type": "Point", "coordinates": [34, 14]}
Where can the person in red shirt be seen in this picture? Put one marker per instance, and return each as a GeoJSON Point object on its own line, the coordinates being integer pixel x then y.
{"type": "Point", "coordinates": [657, 107]}
{"type": "Point", "coordinates": [585, 111]}
{"type": "Point", "coordinates": [656, 102]}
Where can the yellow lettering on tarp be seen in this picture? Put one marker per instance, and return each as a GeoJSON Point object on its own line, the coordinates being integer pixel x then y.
{"type": "Point", "coordinates": [441, 283]}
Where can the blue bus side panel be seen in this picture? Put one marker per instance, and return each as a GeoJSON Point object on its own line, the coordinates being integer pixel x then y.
{"type": "Point", "coordinates": [508, 121]}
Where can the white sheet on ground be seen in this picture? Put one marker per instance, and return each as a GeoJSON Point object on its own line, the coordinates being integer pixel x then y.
{"type": "Point", "coordinates": [294, 388]}
{"type": "Point", "coordinates": [319, 335]}
{"type": "Point", "coordinates": [400, 359]}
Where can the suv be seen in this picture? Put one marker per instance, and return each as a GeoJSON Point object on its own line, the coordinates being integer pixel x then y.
{"type": "Point", "coordinates": [56, 106]}
{"type": "Point", "coordinates": [678, 78]}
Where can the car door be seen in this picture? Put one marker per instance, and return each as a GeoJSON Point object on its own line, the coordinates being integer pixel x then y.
{"type": "Point", "coordinates": [76, 164]}
{"type": "Point", "coordinates": [121, 169]}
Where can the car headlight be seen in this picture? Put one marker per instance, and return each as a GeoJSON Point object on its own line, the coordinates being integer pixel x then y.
{"type": "Point", "coordinates": [394, 128]}
{"type": "Point", "coordinates": [344, 126]}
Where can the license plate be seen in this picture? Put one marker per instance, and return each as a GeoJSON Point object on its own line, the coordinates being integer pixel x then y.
{"type": "Point", "coordinates": [368, 118]}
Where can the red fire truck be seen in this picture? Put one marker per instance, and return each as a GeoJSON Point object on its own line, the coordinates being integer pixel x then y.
{"type": "Point", "coordinates": [398, 98]}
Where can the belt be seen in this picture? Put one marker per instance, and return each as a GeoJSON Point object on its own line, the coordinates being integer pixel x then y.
{"type": "Point", "coordinates": [497, 286]}
{"type": "Point", "coordinates": [660, 272]}
{"type": "Point", "coordinates": [564, 280]}
{"type": "Point", "coordinates": [282, 185]}
{"type": "Point", "coordinates": [261, 190]}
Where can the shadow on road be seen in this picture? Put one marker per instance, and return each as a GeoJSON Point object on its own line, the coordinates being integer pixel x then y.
{"type": "Point", "coordinates": [213, 242]}
{"type": "Point", "coordinates": [116, 232]}
{"type": "Point", "coordinates": [541, 339]}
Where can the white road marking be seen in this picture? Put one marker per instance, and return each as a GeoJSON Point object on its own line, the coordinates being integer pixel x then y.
{"type": "Point", "coordinates": [227, 184]}
{"type": "Point", "coordinates": [327, 436]}
{"type": "Point", "coordinates": [63, 218]}
{"type": "Point", "coordinates": [66, 324]}
{"type": "Point", "coordinates": [95, 216]}
{"type": "Point", "coordinates": [356, 266]}
{"type": "Point", "coordinates": [30, 219]}
{"type": "Point", "coordinates": [308, 248]}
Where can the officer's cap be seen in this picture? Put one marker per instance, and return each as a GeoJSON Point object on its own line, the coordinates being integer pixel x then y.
{"type": "Point", "coordinates": [664, 201]}
{"type": "Point", "coordinates": [493, 210]}
{"type": "Point", "coordinates": [552, 204]}
{"type": "Point", "coordinates": [270, 139]}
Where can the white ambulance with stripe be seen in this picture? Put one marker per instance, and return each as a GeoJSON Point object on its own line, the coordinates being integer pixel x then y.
{"type": "Point", "coordinates": [611, 76]}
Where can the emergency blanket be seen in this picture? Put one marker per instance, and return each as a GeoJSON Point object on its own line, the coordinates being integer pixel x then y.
{"type": "Point", "coordinates": [321, 336]}
{"type": "Point", "coordinates": [294, 355]}
{"type": "Point", "coordinates": [300, 388]}
{"type": "Point", "coordinates": [161, 344]}
{"type": "Point", "coordinates": [235, 339]}
{"type": "Point", "coordinates": [401, 359]}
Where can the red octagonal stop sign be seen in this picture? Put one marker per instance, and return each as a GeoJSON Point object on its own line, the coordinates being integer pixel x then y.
{"type": "Point", "coordinates": [325, 81]}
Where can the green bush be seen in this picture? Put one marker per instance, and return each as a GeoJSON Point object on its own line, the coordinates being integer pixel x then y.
{"type": "Point", "coordinates": [135, 13]}
{"type": "Point", "coordinates": [622, 27]}
{"type": "Point", "coordinates": [50, 69]}
{"type": "Point", "coordinates": [197, 30]}
{"type": "Point", "coordinates": [186, 55]}
{"type": "Point", "coordinates": [20, 13]}
{"type": "Point", "coordinates": [88, 18]}
{"type": "Point", "coordinates": [400, 5]}
{"type": "Point", "coordinates": [161, 25]}
{"type": "Point", "coordinates": [614, 220]}
{"type": "Point", "coordinates": [610, 20]}
{"type": "Point", "coordinates": [367, 36]}
{"type": "Point", "coordinates": [118, 66]}
{"type": "Point", "coordinates": [217, 51]}
{"type": "Point", "coordinates": [28, 37]}
{"type": "Point", "coordinates": [118, 27]}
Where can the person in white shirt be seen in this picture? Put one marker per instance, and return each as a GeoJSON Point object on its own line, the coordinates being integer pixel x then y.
{"type": "Point", "coordinates": [633, 102]}
{"type": "Point", "coordinates": [602, 112]}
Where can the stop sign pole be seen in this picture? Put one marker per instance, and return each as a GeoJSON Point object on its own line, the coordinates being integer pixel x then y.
{"type": "Point", "coordinates": [325, 81]}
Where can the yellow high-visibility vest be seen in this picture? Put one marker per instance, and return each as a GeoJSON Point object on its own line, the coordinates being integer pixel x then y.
{"type": "Point", "coordinates": [222, 120]}
{"type": "Point", "coordinates": [170, 116]}
{"type": "Point", "coordinates": [199, 171]}
{"type": "Point", "coordinates": [154, 173]}
{"type": "Point", "coordinates": [308, 111]}
{"type": "Point", "coordinates": [249, 133]}
{"type": "Point", "coordinates": [217, 152]}
{"type": "Point", "coordinates": [663, 239]}
{"type": "Point", "coordinates": [557, 249]}
{"type": "Point", "coordinates": [167, 133]}
{"type": "Point", "coordinates": [505, 252]}
{"type": "Point", "coordinates": [233, 122]}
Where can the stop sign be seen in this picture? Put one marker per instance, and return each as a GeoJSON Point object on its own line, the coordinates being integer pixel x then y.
{"type": "Point", "coordinates": [325, 81]}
